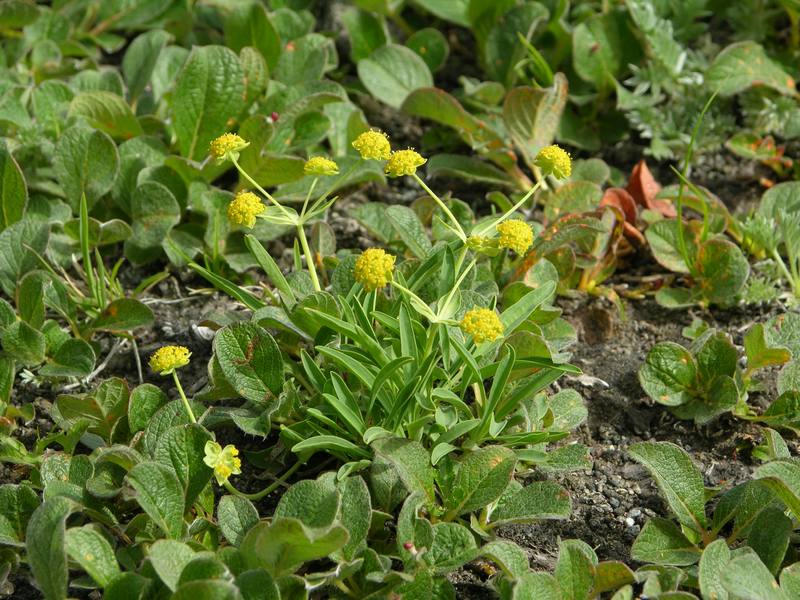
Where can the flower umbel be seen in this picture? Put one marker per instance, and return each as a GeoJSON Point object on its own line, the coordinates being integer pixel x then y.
{"type": "Point", "coordinates": [374, 268]}
{"type": "Point", "coordinates": [515, 235]}
{"type": "Point", "coordinates": [482, 324]}
{"type": "Point", "coordinates": [225, 461]}
{"type": "Point", "coordinates": [555, 161]}
{"type": "Point", "coordinates": [228, 144]}
{"type": "Point", "coordinates": [168, 358]}
{"type": "Point", "coordinates": [244, 208]}
{"type": "Point", "coordinates": [373, 145]}
{"type": "Point", "coordinates": [404, 162]}
{"type": "Point", "coordinates": [320, 166]}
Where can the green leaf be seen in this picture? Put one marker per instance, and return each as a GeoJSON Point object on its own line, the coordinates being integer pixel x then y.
{"type": "Point", "coordinates": [140, 60]}
{"type": "Point", "coordinates": [250, 360]}
{"type": "Point", "coordinates": [536, 586]}
{"type": "Point", "coordinates": [108, 112]}
{"type": "Point", "coordinates": [661, 542]}
{"type": "Point", "coordinates": [355, 514]}
{"type": "Point", "coordinates": [24, 343]}
{"type": "Point", "coordinates": [145, 400]}
{"type": "Point", "coordinates": [503, 51]}
{"type": "Point", "coordinates": [169, 557]}
{"type": "Point", "coordinates": [744, 65]}
{"type": "Point", "coordinates": [124, 314]}
{"type": "Point", "coordinates": [15, 14]}
{"type": "Point", "coordinates": [248, 24]}
{"type": "Point", "coordinates": [537, 501]}
{"type": "Point", "coordinates": [722, 270]}
{"type": "Point", "coordinates": [92, 551]}
{"type": "Point", "coordinates": [574, 570]}
{"type": "Point", "coordinates": [44, 540]}
{"type": "Point", "coordinates": [784, 412]}
{"type": "Point", "coordinates": [759, 353]}
{"type": "Point", "coordinates": [85, 161]}
{"type": "Point", "coordinates": [18, 243]}
{"type": "Point", "coordinates": [154, 211]}
{"type": "Point", "coordinates": [257, 584]}
{"type": "Point", "coordinates": [160, 494]}
{"type": "Point", "coordinates": [407, 225]}
{"type": "Point", "coordinates": [662, 237]}
{"type": "Point", "coordinates": [450, 10]}
{"type": "Point", "coordinates": [312, 502]}
{"type": "Point", "coordinates": [466, 167]}
{"type": "Point", "coordinates": [669, 374]}
{"type": "Point", "coordinates": [236, 516]}
{"type": "Point", "coordinates": [209, 91]}
{"type": "Point", "coordinates": [532, 115]}
{"type": "Point", "coordinates": [282, 546]}
{"type": "Point", "coordinates": [747, 577]}
{"type": "Point", "coordinates": [182, 448]}
{"type": "Point", "coordinates": [602, 46]}
{"type": "Point", "coordinates": [412, 462]}
{"type": "Point", "coordinates": [783, 478]}
{"type": "Point", "coordinates": [17, 504]}
{"type": "Point", "coordinates": [431, 45]}
{"type": "Point", "coordinates": [366, 32]}
{"type": "Point", "coordinates": [680, 482]}
{"type": "Point", "coordinates": [769, 537]}
{"type": "Point", "coordinates": [392, 72]}
{"type": "Point", "coordinates": [209, 589]}
{"type": "Point", "coordinates": [13, 190]}
{"type": "Point", "coordinates": [481, 478]}
{"type": "Point", "coordinates": [453, 545]}
{"type": "Point", "coordinates": [713, 564]}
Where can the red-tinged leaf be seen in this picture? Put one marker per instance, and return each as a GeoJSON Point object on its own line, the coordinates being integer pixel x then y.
{"type": "Point", "coordinates": [642, 185]}
{"type": "Point", "coordinates": [622, 199]}
{"type": "Point", "coordinates": [633, 234]}
{"type": "Point", "coordinates": [665, 207]}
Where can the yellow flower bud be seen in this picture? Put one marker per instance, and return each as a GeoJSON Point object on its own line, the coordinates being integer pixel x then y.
{"type": "Point", "coordinates": [373, 145]}
{"type": "Point", "coordinates": [374, 268]}
{"type": "Point", "coordinates": [226, 145]}
{"type": "Point", "coordinates": [224, 461]}
{"type": "Point", "coordinates": [404, 162]}
{"type": "Point", "coordinates": [168, 358]}
{"type": "Point", "coordinates": [482, 324]}
{"type": "Point", "coordinates": [555, 161]}
{"type": "Point", "coordinates": [515, 235]}
{"type": "Point", "coordinates": [244, 208]}
{"type": "Point", "coordinates": [318, 165]}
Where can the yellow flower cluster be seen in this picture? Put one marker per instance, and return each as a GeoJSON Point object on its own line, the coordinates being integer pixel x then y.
{"type": "Point", "coordinates": [225, 461]}
{"type": "Point", "coordinates": [404, 162]}
{"type": "Point", "coordinates": [515, 235]}
{"type": "Point", "coordinates": [320, 166]}
{"type": "Point", "coordinates": [374, 268]}
{"type": "Point", "coordinates": [373, 145]}
{"type": "Point", "coordinates": [244, 208]}
{"type": "Point", "coordinates": [168, 358]}
{"type": "Point", "coordinates": [482, 324]}
{"type": "Point", "coordinates": [226, 145]}
{"type": "Point", "coordinates": [555, 161]}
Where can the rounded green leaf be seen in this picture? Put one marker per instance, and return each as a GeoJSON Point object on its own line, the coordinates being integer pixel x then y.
{"type": "Point", "coordinates": [669, 374]}
{"type": "Point", "coordinates": [250, 360]}
{"type": "Point", "coordinates": [392, 72]}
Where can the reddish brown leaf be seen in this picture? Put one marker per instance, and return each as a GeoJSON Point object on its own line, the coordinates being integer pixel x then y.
{"type": "Point", "coordinates": [642, 185]}
{"type": "Point", "coordinates": [644, 188]}
{"type": "Point", "coordinates": [622, 200]}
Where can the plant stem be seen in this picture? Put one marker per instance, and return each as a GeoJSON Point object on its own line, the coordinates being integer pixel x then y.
{"type": "Point", "coordinates": [312, 270]}
{"type": "Point", "coordinates": [459, 230]}
{"type": "Point", "coordinates": [183, 397]}
{"type": "Point", "coordinates": [267, 490]}
{"type": "Point", "coordinates": [254, 183]}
